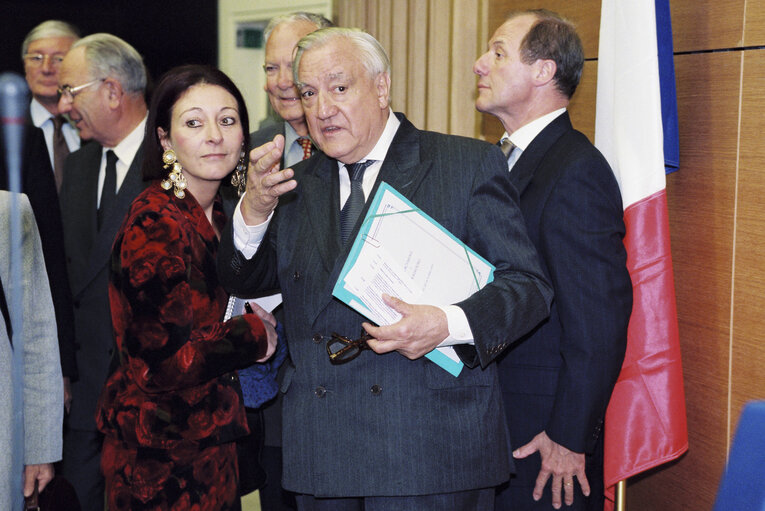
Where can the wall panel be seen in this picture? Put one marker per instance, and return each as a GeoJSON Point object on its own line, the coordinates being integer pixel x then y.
{"type": "Point", "coordinates": [748, 364]}
{"type": "Point", "coordinates": [707, 24]}
{"type": "Point", "coordinates": [754, 28]}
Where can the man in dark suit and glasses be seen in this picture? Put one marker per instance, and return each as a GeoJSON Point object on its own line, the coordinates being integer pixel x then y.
{"type": "Point", "coordinates": [557, 381]}
{"type": "Point", "coordinates": [102, 82]}
{"type": "Point", "coordinates": [389, 429]}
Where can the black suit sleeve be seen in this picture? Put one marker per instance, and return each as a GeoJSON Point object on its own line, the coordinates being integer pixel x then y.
{"type": "Point", "coordinates": [581, 242]}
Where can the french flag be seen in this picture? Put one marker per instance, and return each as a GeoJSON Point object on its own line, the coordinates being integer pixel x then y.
{"type": "Point", "coordinates": [645, 422]}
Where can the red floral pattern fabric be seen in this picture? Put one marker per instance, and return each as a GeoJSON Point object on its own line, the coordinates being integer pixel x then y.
{"type": "Point", "coordinates": [176, 386]}
{"type": "Point", "coordinates": [170, 480]}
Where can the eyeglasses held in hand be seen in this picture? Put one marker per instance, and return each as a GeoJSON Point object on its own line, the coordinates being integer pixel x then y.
{"type": "Point", "coordinates": [342, 349]}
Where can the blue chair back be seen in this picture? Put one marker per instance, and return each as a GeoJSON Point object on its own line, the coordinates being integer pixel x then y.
{"type": "Point", "coordinates": [743, 483]}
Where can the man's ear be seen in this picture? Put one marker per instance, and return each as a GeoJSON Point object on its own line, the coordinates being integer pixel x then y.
{"type": "Point", "coordinates": [382, 83]}
{"type": "Point", "coordinates": [164, 139]}
{"type": "Point", "coordinates": [544, 71]}
{"type": "Point", "coordinates": [114, 90]}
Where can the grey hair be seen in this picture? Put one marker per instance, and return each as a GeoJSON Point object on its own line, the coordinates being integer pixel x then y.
{"type": "Point", "coordinates": [317, 19]}
{"type": "Point", "coordinates": [50, 28]}
{"type": "Point", "coordinates": [110, 56]}
{"type": "Point", "coordinates": [373, 56]}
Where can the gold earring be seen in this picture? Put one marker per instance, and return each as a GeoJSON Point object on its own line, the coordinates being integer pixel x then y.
{"type": "Point", "coordinates": [239, 177]}
{"type": "Point", "coordinates": [175, 178]}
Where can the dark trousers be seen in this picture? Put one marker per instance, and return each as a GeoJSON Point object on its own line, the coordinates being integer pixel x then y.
{"type": "Point", "coordinates": [81, 466]}
{"type": "Point", "coordinates": [471, 500]}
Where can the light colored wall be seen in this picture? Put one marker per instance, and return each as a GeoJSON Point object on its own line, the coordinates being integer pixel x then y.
{"type": "Point", "coordinates": [245, 65]}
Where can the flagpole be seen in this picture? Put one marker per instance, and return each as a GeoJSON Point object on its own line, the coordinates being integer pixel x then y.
{"type": "Point", "coordinates": [621, 495]}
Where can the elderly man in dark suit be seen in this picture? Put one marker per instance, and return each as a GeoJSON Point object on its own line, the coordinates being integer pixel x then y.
{"type": "Point", "coordinates": [48, 139]}
{"type": "Point", "coordinates": [390, 429]}
{"type": "Point", "coordinates": [557, 381]}
{"type": "Point", "coordinates": [102, 82]}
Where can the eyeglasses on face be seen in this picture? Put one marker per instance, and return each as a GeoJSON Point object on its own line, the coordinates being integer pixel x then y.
{"type": "Point", "coordinates": [69, 92]}
{"type": "Point", "coordinates": [342, 349]}
{"type": "Point", "coordinates": [37, 59]}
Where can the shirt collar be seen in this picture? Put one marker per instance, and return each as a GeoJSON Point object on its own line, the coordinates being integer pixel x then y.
{"type": "Point", "coordinates": [290, 135]}
{"type": "Point", "coordinates": [38, 113]}
{"type": "Point", "coordinates": [524, 135]}
{"type": "Point", "coordinates": [129, 145]}
{"type": "Point", "coordinates": [380, 149]}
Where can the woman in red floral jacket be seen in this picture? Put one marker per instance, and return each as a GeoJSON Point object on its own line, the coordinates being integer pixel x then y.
{"type": "Point", "coordinates": [173, 408]}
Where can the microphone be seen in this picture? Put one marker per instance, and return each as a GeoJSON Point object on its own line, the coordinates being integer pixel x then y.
{"type": "Point", "coordinates": [14, 104]}
{"type": "Point", "coordinates": [13, 107]}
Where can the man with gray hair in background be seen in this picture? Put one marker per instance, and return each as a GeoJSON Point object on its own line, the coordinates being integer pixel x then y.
{"type": "Point", "coordinates": [388, 430]}
{"type": "Point", "coordinates": [48, 140]}
{"type": "Point", "coordinates": [102, 83]}
{"type": "Point", "coordinates": [282, 34]}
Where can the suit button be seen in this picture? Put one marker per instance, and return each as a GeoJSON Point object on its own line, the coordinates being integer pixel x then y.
{"type": "Point", "coordinates": [296, 276]}
{"type": "Point", "coordinates": [376, 389]}
{"type": "Point", "coordinates": [320, 392]}
{"type": "Point", "coordinates": [317, 338]}
{"type": "Point", "coordinates": [233, 378]}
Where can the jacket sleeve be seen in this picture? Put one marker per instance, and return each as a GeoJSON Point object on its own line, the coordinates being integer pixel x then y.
{"type": "Point", "coordinates": [43, 386]}
{"type": "Point", "coordinates": [581, 240]}
{"type": "Point", "coordinates": [519, 297]}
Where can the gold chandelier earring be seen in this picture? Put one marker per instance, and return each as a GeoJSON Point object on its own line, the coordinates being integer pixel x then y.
{"type": "Point", "coordinates": [239, 177]}
{"type": "Point", "coordinates": [175, 178]}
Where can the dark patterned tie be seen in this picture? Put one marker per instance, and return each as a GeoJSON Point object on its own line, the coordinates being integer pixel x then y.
{"type": "Point", "coordinates": [305, 143]}
{"type": "Point", "coordinates": [109, 190]}
{"type": "Point", "coordinates": [60, 149]}
{"type": "Point", "coordinates": [355, 203]}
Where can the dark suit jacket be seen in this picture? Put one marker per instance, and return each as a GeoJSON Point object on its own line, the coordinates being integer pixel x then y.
{"type": "Point", "coordinates": [38, 183]}
{"type": "Point", "coordinates": [88, 253]}
{"type": "Point", "coordinates": [266, 134]}
{"type": "Point", "coordinates": [383, 424]}
{"type": "Point", "coordinates": [559, 378]}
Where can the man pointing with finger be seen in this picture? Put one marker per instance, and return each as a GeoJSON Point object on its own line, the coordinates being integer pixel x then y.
{"type": "Point", "coordinates": [387, 430]}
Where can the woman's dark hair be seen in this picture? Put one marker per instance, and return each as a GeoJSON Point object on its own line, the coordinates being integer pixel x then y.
{"type": "Point", "coordinates": [171, 87]}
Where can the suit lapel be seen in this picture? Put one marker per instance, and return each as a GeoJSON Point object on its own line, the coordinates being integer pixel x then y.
{"type": "Point", "coordinates": [100, 252]}
{"type": "Point", "coordinates": [79, 212]}
{"type": "Point", "coordinates": [402, 169]}
{"type": "Point", "coordinates": [524, 169]}
{"type": "Point", "coordinates": [321, 201]}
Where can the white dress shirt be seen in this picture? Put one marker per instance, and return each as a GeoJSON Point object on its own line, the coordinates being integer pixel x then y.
{"type": "Point", "coordinates": [523, 136]}
{"type": "Point", "coordinates": [125, 151]}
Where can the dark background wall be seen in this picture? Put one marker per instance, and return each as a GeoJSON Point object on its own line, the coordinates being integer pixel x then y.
{"type": "Point", "coordinates": [165, 32]}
